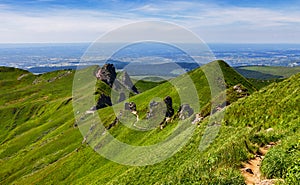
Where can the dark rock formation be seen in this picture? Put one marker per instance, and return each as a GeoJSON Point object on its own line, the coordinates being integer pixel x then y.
{"type": "Point", "coordinates": [170, 110]}
{"type": "Point", "coordinates": [185, 111]}
{"type": "Point", "coordinates": [103, 101]}
{"type": "Point", "coordinates": [130, 106]}
{"type": "Point", "coordinates": [157, 108]}
{"type": "Point", "coordinates": [126, 81]}
{"type": "Point", "coordinates": [154, 107]}
{"type": "Point", "coordinates": [107, 73]}
{"type": "Point", "coordinates": [122, 97]}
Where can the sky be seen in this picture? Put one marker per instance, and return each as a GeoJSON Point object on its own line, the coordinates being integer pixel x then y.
{"type": "Point", "coordinates": [214, 21]}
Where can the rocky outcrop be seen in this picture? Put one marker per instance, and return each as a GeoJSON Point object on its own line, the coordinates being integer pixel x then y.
{"type": "Point", "coordinates": [185, 111]}
{"type": "Point", "coordinates": [153, 108]}
{"type": "Point", "coordinates": [122, 97]}
{"type": "Point", "coordinates": [126, 81]}
{"type": "Point", "coordinates": [169, 105]}
{"type": "Point", "coordinates": [121, 83]}
{"type": "Point", "coordinates": [130, 106]}
{"type": "Point", "coordinates": [107, 73]}
{"type": "Point", "coordinates": [157, 108]}
{"type": "Point", "coordinates": [103, 101]}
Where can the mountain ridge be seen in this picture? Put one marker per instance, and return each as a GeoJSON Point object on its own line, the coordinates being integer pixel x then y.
{"type": "Point", "coordinates": [37, 147]}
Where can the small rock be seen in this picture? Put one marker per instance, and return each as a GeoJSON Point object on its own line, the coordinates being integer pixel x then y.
{"type": "Point", "coordinates": [249, 170]}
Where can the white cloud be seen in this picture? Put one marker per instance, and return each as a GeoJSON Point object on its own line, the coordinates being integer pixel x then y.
{"type": "Point", "coordinates": [59, 26]}
{"type": "Point", "coordinates": [212, 22]}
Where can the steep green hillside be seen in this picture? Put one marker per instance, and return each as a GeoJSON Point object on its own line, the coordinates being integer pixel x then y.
{"type": "Point", "coordinates": [40, 145]}
{"type": "Point", "coordinates": [277, 107]}
{"type": "Point", "coordinates": [262, 76]}
{"type": "Point", "coordinates": [267, 72]}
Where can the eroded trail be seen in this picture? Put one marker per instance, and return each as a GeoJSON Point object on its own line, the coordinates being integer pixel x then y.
{"type": "Point", "coordinates": [251, 169]}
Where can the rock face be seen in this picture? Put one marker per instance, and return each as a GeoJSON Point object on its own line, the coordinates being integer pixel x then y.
{"type": "Point", "coordinates": [185, 111]}
{"type": "Point", "coordinates": [121, 83]}
{"type": "Point", "coordinates": [107, 73]}
{"type": "Point", "coordinates": [169, 104]}
{"type": "Point", "coordinates": [126, 81]}
{"type": "Point", "coordinates": [122, 97]}
{"type": "Point", "coordinates": [103, 101]}
{"type": "Point", "coordinates": [154, 106]}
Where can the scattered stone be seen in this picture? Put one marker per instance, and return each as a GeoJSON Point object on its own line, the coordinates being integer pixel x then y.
{"type": "Point", "coordinates": [168, 120]}
{"type": "Point", "coordinates": [269, 130]}
{"type": "Point", "coordinates": [39, 80]}
{"type": "Point", "coordinates": [239, 88]}
{"type": "Point", "coordinates": [249, 171]}
{"type": "Point", "coordinates": [197, 119]}
{"type": "Point", "coordinates": [163, 124]}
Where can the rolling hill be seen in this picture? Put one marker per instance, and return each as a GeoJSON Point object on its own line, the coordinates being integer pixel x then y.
{"type": "Point", "coordinates": [40, 143]}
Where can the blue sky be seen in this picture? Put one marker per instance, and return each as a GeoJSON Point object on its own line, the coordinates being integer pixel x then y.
{"type": "Point", "coordinates": [221, 21]}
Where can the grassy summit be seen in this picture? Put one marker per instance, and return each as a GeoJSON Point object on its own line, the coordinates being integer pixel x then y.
{"type": "Point", "coordinates": [40, 145]}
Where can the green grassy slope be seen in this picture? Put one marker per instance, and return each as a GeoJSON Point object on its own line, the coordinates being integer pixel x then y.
{"type": "Point", "coordinates": [39, 144]}
{"type": "Point", "coordinates": [267, 72]}
{"type": "Point", "coordinates": [277, 107]}
{"type": "Point", "coordinates": [262, 76]}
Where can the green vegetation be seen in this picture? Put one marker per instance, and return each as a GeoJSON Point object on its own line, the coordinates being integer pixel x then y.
{"type": "Point", "coordinates": [40, 145]}
{"type": "Point", "coordinates": [267, 72]}
{"type": "Point", "coordinates": [144, 85]}
{"type": "Point", "coordinates": [262, 76]}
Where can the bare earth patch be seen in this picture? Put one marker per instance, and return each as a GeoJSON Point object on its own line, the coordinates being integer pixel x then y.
{"type": "Point", "coordinates": [251, 169]}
